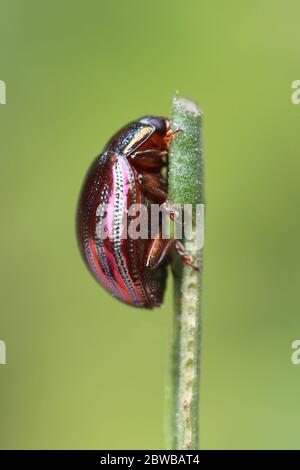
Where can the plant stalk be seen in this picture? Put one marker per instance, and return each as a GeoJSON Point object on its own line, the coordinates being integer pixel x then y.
{"type": "Point", "coordinates": [186, 186]}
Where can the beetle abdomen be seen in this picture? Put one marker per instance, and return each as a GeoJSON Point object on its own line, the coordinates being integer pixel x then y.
{"type": "Point", "coordinates": [115, 261]}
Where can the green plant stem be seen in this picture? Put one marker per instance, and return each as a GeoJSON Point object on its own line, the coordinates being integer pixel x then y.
{"type": "Point", "coordinates": [185, 187]}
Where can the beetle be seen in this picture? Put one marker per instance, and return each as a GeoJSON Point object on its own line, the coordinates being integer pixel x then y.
{"type": "Point", "coordinates": [128, 171]}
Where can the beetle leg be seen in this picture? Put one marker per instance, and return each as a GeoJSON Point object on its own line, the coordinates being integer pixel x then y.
{"type": "Point", "coordinates": [151, 185]}
{"type": "Point", "coordinates": [149, 159]}
{"type": "Point", "coordinates": [174, 214]}
{"type": "Point", "coordinates": [172, 211]}
{"type": "Point", "coordinates": [159, 251]}
{"type": "Point", "coordinates": [186, 258]}
{"type": "Point", "coordinates": [154, 152]}
{"type": "Point", "coordinates": [153, 179]}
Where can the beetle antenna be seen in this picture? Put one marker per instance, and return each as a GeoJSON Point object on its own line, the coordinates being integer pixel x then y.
{"type": "Point", "coordinates": [177, 130]}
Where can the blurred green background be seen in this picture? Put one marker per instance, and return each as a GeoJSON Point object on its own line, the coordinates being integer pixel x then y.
{"type": "Point", "coordinates": [84, 371]}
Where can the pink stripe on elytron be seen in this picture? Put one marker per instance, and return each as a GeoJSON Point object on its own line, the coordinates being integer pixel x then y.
{"type": "Point", "coordinates": [121, 186]}
{"type": "Point", "coordinates": [98, 271]}
{"type": "Point", "coordinates": [134, 190]}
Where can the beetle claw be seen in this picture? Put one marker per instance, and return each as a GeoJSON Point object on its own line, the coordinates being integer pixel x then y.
{"type": "Point", "coordinates": [186, 258]}
{"type": "Point", "coordinates": [173, 213]}
{"type": "Point", "coordinates": [177, 130]}
{"type": "Point", "coordinates": [171, 135]}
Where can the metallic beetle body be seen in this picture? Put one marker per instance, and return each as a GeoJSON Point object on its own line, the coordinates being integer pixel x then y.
{"type": "Point", "coordinates": [136, 153]}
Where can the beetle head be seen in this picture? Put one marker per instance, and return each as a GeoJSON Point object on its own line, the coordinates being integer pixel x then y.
{"type": "Point", "coordinates": [160, 124]}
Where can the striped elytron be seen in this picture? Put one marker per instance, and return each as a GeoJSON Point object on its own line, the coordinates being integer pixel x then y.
{"type": "Point", "coordinates": [127, 172]}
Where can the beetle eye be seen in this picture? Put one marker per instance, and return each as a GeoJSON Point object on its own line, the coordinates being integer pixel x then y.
{"type": "Point", "coordinates": [160, 124]}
